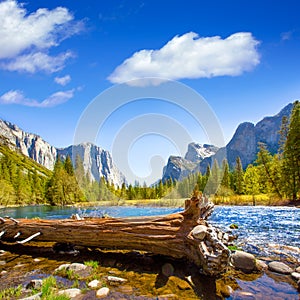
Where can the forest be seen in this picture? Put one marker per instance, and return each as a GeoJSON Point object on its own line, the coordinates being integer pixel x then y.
{"type": "Point", "coordinates": [24, 182]}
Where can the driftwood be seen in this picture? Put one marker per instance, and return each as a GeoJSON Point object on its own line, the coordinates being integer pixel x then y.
{"type": "Point", "coordinates": [180, 235]}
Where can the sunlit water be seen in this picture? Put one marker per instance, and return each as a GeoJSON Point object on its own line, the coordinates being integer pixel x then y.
{"type": "Point", "coordinates": [263, 231]}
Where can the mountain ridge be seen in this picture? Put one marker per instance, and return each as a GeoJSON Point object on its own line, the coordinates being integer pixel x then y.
{"type": "Point", "coordinates": [99, 163]}
{"type": "Point", "coordinates": [243, 144]}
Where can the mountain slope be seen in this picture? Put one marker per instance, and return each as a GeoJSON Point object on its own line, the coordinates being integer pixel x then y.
{"type": "Point", "coordinates": [244, 144]}
{"type": "Point", "coordinates": [97, 162]}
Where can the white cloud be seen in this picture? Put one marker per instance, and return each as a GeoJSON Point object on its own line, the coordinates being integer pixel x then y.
{"type": "Point", "coordinates": [24, 36]}
{"type": "Point", "coordinates": [191, 56]}
{"type": "Point", "coordinates": [63, 80]}
{"type": "Point", "coordinates": [38, 61]}
{"type": "Point", "coordinates": [18, 97]}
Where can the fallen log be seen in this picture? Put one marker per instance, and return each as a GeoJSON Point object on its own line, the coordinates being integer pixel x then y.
{"type": "Point", "coordinates": [180, 235]}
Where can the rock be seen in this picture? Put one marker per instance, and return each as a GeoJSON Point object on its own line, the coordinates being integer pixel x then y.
{"type": "Point", "coordinates": [113, 280]}
{"type": "Point", "coordinates": [298, 285]}
{"type": "Point", "coordinates": [94, 284]}
{"type": "Point", "coordinates": [2, 262]}
{"type": "Point", "coordinates": [296, 275]}
{"type": "Point", "coordinates": [34, 297]}
{"type": "Point", "coordinates": [167, 270]}
{"type": "Point", "coordinates": [199, 232]}
{"type": "Point", "coordinates": [243, 261]}
{"type": "Point", "coordinates": [72, 293]}
{"type": "Point", "coordinates": [35, 284]}
{"type": "Point", "coordinates": [103, 292]}
{"type": "Point", "coordinates": [279, 267]}
{"type": "Point", "coordinates": [126, 289]}
{"type": "Point", "coordinates": [62, 267]}
{"type": "Point", "coordinates": [298, 270]}
{"type": "Point", "coordinates": [261, 265]}
{"type": "Point", "coordinates": [76, 267]}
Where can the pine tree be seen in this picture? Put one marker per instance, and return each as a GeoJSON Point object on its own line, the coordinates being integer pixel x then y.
{"type": "Point", "coordinates": [291, 155]}
{"type": "Point", "coordinates": [238, 177]}
{"type": "Point", "coordinates": [226, 176]}
{"type": "Point", "coordinates": [251, 182]}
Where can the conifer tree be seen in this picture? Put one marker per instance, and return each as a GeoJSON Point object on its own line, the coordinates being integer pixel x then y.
{"type": "Point", "coordinates": [238, 177]}
{"type": "Point", "coordinates": [291, 155]}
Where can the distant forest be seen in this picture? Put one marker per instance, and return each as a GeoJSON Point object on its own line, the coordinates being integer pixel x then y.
{"type": "Point", "coordinates": [24, 182]}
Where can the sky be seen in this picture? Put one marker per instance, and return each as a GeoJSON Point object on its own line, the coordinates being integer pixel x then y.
{"type": "Point", "coordinates": [57, 58]}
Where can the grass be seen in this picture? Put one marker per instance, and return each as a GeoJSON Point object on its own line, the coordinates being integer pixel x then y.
{"type": "Point", "coordinates": [11, 292]}
{"type": "Point", "coordinates": [49, 290]}
{"type": "Point", "coordinates": [92, 263]}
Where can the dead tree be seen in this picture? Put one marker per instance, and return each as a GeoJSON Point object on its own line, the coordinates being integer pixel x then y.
{"type": "Point", "coordinates": [180, 235]}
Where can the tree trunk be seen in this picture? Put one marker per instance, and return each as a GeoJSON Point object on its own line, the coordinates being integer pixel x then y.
{"type": "Point", "coordinates": [177, 235]}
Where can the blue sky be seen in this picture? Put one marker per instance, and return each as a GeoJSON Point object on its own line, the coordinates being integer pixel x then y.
{"type": "Point", "coordinates": [57, 56]}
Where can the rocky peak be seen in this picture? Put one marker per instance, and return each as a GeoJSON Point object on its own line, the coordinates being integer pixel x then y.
{"type": "Point", "coordinates": [97, 162]}
{"type": "Point", "coordinates": [197, 152]}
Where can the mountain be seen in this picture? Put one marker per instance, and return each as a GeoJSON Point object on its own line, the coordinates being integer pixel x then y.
{"type": "Point", "coordinates": [177, 167]}
{"type": "Point", "coordinates": [96, 161]}
{"type": "Point", "coordinates": [244, 144]}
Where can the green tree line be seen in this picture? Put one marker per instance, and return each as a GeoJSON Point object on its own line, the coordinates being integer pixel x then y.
{"type": "Point", "coordinates": [23, 182]}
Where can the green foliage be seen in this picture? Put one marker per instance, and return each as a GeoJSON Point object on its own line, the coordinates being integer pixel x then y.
{"type": "Point", "coordinates": [8, 293]}
{"type": "Point", "coordinates": [22, 181]}
{"type": "Point", "coordinates": [92, 263]}
{"type": "Point", "coordinates": [291, 155]}
{"type": "Point", "coordinates": [62, 188]}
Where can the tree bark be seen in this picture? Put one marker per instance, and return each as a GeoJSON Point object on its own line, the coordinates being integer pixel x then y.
{"type": "Point", "coordinates": [170, 235]}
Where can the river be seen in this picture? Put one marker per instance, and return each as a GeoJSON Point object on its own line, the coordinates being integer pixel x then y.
{"type": "Point", "coordinates": [271, 233]}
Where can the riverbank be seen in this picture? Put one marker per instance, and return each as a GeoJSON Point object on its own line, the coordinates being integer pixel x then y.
{"type": "Point", "coordinates": [130, 275]}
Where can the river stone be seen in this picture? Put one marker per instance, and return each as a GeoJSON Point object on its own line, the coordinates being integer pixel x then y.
{"type": "Point", "coordinates": [113, 280]}
{"type": "Point", "coordinates": [61, 267]}
{"type": "Point", "coordinates": [72, 293]}
{"type": "Point", "coordinates": [199, 232]}
{"type": "Point", "coordinates": [34, 297]}
{"type": "Point", "coordinates": [279, 267]}
{"type": "Point", "coordinates": [298, 270]}
{"type": "Point", "coordinates": [102, 293]}
{"type": "Point", "coordinates": [94, 284]}
{"type": "Point", "coordinates": [167, 269]}
{"type": "Point", "coordinates": [76, 267]}
{"type": "Point", "coordinates": [243, 261]}
{"type": "Point", "coordinates": [296, 275]}
{"type": "Point", "coordinates": [261, 265]}
{"type": "Point", "coordinates": [35, 284]}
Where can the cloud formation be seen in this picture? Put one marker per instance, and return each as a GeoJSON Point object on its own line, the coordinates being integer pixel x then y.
{"type": "Point", "coordinates": [63, 80]}
{"type": "Point", "coordinates": [191, 56]}
{"type": "Point", "coordinates": [18, 97]}
{"type": "Point", "coordinates": [25, 39]}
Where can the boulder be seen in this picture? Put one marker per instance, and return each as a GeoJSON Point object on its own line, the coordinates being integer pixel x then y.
{"type": "Point", "coordinates": [34, 297]}
{"type": "Point", "coordinates": [243, 261]}
{"type": "Point", "coordinates": [261, 265]}
{"type": "Point", "coordinates": [199, 232]}
{"type": "Point", "coordinates": [76, 267]}
{"type": "Point", "coordinates": [279, 267]}
{"type": "Point", "coordinates": [113, 280]}
{"type": "Point", "coordinates": [94, 284]}
{"type": "Point", "coordinates": [296, 275]}
{"type": "Point", "coordinates": [35, 284]}
{"type": "Point", "coordinates": [102, 293]}
{"type": "Point", "coordinates": [72, 293]}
